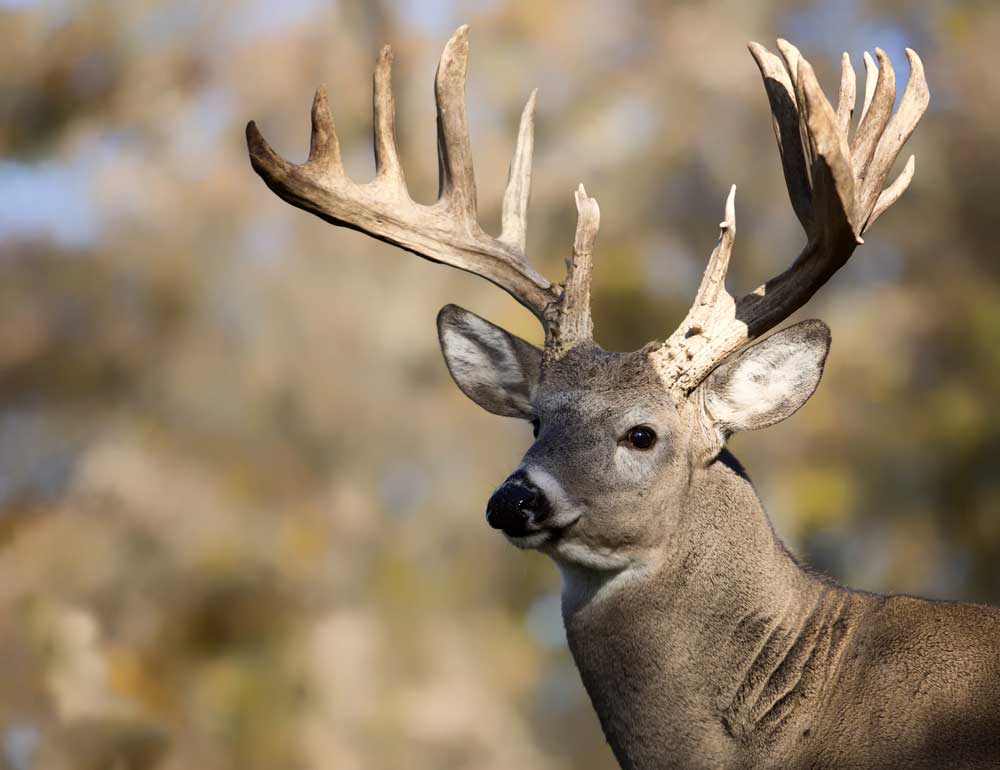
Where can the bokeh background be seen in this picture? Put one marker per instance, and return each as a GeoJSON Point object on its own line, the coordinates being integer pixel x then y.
{"type": "Point", "coordinates": [240, 499]}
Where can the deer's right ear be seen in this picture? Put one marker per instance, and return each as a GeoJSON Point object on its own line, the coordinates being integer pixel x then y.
{"type": "Point", "coordinates": [492, 367]}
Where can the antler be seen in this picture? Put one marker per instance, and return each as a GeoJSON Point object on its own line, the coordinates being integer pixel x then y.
{"type": "Point", "coordinates": [836, 190]}
{"type": "Point", "coordinates": [447, 231]}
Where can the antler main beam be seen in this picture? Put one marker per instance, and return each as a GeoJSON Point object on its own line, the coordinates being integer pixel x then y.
{"type": "Point", "coordinates": [447, 231]}
{"type": "Point", "coordinates": [836, 188]}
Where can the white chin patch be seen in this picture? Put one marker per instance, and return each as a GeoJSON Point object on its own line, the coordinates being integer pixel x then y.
{"type": "Point", "coordinates": [596, 559]}
{"type": "Point", "coordinates": [533, 540]}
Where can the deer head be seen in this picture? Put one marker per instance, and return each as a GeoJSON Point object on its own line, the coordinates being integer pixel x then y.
{"type": "Point", "coordinates": [621, 432]}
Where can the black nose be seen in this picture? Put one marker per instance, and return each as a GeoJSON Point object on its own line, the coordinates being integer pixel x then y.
{"type": "Point", "coordinates": [515, 505]}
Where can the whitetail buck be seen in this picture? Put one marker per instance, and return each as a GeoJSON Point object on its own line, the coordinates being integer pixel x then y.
{"type": "Point", "coordinates": [701, 641]}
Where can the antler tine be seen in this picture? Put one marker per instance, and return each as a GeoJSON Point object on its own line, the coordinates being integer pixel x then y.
{"type": "Point", "coordinates": [848, 94]}
{"type": "Point", "coordinates": [712, 300]}
{"type": "Point", "coordinates": [785, 118]}
{"type": "Point", "coordinates": [871, 78]}
{"type": "Point", "coordinates": [912, 106]}
{"type": "Point", "coordinates": [574, 323]}
{"type": "Point", "coordinates": [791, 55]}
{"type": "Point", "coordinates": [712, 290]}
{"type": "Point", "coordinates": [387, 165]}
{"type": "Point", "coordinates": [446, 232]}
{"type": "Point", "coordinates": [458, 181]}
{"type": "Point", "coordinates": [832, 183]}
{"type": "Point", "coordinates": [514, 216]}
{"type": "Point", "coordinates": [689, 351]}
{"type": "Point", "coordinates": [836, 192]}
{"type": "Point", "coordinates": [891, 193]}
{"type": "Point", "coordinates": [324, 147]}
{"type": "Point", "coordinates": [876, 117]}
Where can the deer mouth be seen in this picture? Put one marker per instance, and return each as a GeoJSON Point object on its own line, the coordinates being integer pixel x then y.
{"type": "Point", "coordinates": [529, 535]}
{"type": "Point", "coordinates": [528, 540]}
{"type": "Point", "coordinates": [527, 532]}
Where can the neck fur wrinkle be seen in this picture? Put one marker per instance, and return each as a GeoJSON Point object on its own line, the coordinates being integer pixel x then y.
{"type": "Point", "coordinates": [725, 643]}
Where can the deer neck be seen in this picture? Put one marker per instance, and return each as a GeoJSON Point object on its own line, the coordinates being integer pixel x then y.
{"type": "Point", "coordinates": [692, 655]}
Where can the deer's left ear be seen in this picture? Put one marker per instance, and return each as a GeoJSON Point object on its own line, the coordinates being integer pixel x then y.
{"type": "Point", "coordinates": [768, 381]}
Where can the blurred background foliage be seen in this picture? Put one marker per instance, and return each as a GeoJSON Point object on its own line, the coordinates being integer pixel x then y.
{"type": "Point", "coordinates": [241, 501]}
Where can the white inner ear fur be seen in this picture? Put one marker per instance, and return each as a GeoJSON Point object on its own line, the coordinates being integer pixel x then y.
{"type": "Point", "coordinates": [471, 363]}
{"type": "Point", "coordinates": [765, 385]}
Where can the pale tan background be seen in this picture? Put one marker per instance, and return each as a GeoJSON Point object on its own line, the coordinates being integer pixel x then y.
{"type": "Point", "coordinates": [241, 501]}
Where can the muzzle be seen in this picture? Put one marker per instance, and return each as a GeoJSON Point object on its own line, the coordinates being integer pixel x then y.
{"type": "Point", "coordinates": [518, 507]}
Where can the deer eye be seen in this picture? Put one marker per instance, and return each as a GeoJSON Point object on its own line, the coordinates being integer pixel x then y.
{"type": "Point", "coordinates": [640, 437]}
{"type": "Point", "coordinates": [536, 425]}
